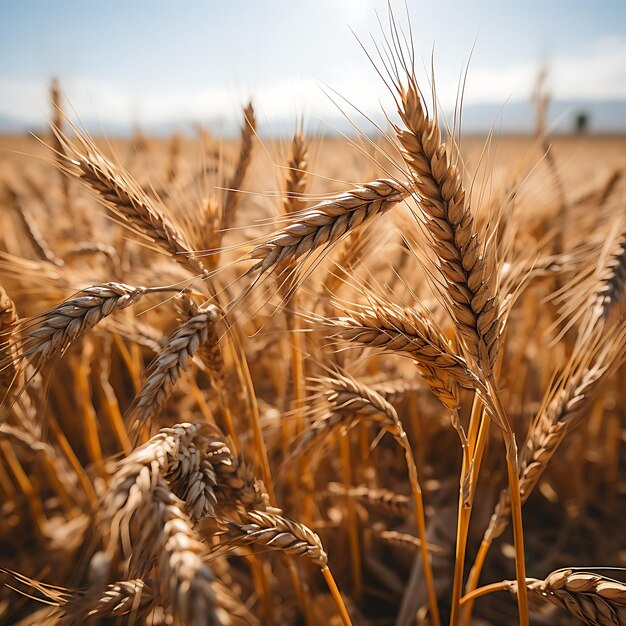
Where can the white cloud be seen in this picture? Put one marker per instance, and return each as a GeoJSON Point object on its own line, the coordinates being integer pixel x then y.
{"type": "Point", "coordinates": [596, 72]}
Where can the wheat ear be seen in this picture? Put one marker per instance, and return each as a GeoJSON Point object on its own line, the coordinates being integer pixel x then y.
{"type": "Point", "coordinates": [75, 605]}
{"type": "Point", "coordinates": [37, 240]}
{"type": "Point", "coordinates": [124, 198]}
{"type": "Point", "coordinates": [597, 291]}
{"type": "Point", "coordinates": [180, 454]}
{"type": "Point", "coordinates": [236, 484]}
{"type": "Point", "coordinates": [295, 186]}
{"type": "Point", "coordinates": [350, 397]}
{"type": "Point", "coordinates": [350, 401]}
{"type": "Point", "coordinates": [326, 223]}
{"type": "Point", "coordinates": [591, 597]}
{"type": "Point", "coordinates": [8, 321]}
{"type": "Point", "coordinates": [390, 502]}
{"type": "Point", "coordinates": [210, 354]}
{"type": "Point", "coordinates": [248, 131]}
{"type": "Point", "coordinates": [191, 476]}
{"type": "Point", "coordinates": [404, 540]}
{"type": "Point", "coordinates": [406, 331]}
{"type": "Point", "coordinates": [59, 152]}
{"type": "Point", "coordinates": [566, 407]}
{"type": "Point", "coordinates": [466, 262]}
{"type": "Point", "coordinates": [277, 533]}
{"type": "Point", "coordinates": [296, 179]}
{"type": "Point", "coordinates": [171, 362]}
{"type": "Point", "coordinates": [146, 524]}
{"type": "Point", "coordinates": [468, 267]}
{"type": "Point", "coordinates": [125, 597]}
{"type": "Point", "coordinates": [612, 279]}
{"type": "Point", "coordinates": [60, 326]}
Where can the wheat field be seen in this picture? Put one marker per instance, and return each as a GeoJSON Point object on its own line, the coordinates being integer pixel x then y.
{"type": "Point", "coordinates": [319, 380]}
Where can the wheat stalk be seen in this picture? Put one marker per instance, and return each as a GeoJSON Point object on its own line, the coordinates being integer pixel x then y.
{"type": "Point", "coordinates": [62, 478]}
{"type": "Point", "coordinates": [173, 162]}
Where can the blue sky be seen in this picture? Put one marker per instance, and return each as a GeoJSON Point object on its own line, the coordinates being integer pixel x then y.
{"type": "Point", "coordinates": [152, 61]}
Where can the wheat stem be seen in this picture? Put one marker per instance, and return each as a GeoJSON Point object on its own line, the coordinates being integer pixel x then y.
{"type": "Point", "coordinates": [334, 592]}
